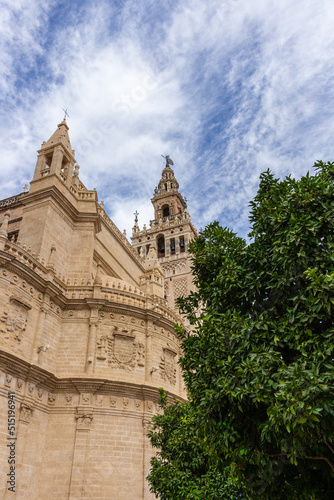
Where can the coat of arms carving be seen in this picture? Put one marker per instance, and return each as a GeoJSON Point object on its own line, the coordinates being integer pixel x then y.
{"type": "Point", "coordinates": [120, 349]}
{"type": "Point", "coordinates": [168, 365]}
{"type": "Point", "coordinates": [13, 320]}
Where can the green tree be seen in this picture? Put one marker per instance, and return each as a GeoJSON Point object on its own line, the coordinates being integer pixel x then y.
{"type": "Point", "coordinates": [184, 468]}
{"type": "Point", "coordinates": [259, 362]}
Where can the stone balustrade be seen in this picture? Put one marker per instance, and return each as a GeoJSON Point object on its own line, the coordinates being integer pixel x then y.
{"type": "Point", "coordinates": [9, 201]}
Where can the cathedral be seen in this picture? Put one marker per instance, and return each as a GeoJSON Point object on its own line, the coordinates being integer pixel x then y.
{"type": "Point", "coordinates": [86, 333]}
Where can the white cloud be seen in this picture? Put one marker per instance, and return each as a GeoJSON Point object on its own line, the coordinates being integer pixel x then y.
{"type": "Point", "coordinates": [228, 89]}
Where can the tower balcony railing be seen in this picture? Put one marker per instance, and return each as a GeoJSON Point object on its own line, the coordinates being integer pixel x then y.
{"type": "Point", "coordinates": [174, 218]}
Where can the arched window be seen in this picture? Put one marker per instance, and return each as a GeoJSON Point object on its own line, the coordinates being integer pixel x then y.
{"type": "Point", "coordinates": [182, 247]}
{"type": "Point", "coordinates": [165, 211]}
{"type": "Point", "coordinates": [161, 246]}
{"type": "Point", "coordinates": [172, 246]}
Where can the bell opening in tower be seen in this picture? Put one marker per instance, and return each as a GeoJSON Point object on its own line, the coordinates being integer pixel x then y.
{"type": "Point", "coordinates": [172, 247]}
{"type": "Point", "coordinates": [165, 211]}
{"type": "Point", "coordinates": [161, 246]}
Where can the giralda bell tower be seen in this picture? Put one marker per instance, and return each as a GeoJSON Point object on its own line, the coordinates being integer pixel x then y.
{"type": "Point", "coordinates": [168, 236]}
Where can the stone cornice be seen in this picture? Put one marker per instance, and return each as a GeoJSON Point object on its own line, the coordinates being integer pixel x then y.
{"type": "Point", "coordinates": [24, 370]}
{"type": "Point", "coordinates": [62, 201]}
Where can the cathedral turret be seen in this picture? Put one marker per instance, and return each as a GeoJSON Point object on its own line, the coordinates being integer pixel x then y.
{"type": "Point", "coordinates": [56, 156]}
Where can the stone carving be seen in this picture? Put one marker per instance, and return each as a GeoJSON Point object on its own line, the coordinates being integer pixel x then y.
{"type": "Point", "coordinates": [137, 403]}
{"type": "Point", "coordinates": [26, 412]}
{"type": "Point", "coordinates": [13, 323]}
{"type": "Point", "coordinates": [85, 398]}
{"type": "Point", "coordinates": [8, 380]}
{"type": "Point", "coordinates": [19, 384]}
{"type": "Point", "coordinates": [51, 398]}
{"type": "Point", "coordinates": [168, 366]}
{"type": "Point", "coordinates": [113, 401]}
{"type": "Point", "coordinates": [31, 388]}
{"type": "Point", "coordinates": [125, 402]}
{"type": "Point", "coordinates": [149, 405]}
{"type": "Point", "coordinates": [68, 399]}
{"type": "Point", "coordinates": [39, 393]}
{"type": "Point", "coordinates": [84, 420]}
{"type": "Point", "coordinates": [121, 350]}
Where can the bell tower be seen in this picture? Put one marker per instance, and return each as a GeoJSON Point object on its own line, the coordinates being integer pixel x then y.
{"type": "Point", "coordinates": [56, 156]}
{"type": "Point", "coordinates": [170, 232]}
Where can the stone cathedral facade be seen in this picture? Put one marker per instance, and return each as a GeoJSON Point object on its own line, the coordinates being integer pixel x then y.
{"type": "Point", "coordinates": [86, 333]}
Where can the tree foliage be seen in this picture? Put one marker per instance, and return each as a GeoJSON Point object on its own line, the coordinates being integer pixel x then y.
{"type": "Point", "coordinates": [259, 362]}
{"type": "Point", "coordinates": [184, 468]}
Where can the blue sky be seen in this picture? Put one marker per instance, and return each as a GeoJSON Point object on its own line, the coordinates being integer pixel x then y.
{"type": "Point", "coordinates": [227, 88]}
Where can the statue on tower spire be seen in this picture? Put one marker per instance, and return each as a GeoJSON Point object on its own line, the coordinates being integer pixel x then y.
{"type": "Point", "coordinates": [169, 161]}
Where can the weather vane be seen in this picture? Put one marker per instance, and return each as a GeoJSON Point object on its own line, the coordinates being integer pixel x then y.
{"type": "Point", "coordinates": [66, 113]}
{"type": "Point", "coordinates": [136, 215]}
{"type": "Point", "coordinates": [169, 161]}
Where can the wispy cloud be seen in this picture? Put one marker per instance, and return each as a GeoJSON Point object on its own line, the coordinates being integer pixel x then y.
{"type": "Point", "coordinates": [228, 89]}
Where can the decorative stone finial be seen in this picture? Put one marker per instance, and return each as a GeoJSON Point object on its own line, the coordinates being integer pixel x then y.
{"type": "Point", "coordinates": [25, 188]}
{"type": "Point", "coordinates": [75, 178]}
{"type": "Point", "coordinates": [52, 258]}
{"type": "Point", "coordinates": [98, 277]}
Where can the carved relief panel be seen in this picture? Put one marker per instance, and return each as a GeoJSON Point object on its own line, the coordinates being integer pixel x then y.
{"type": "Point", "coordinates": [13, 320]}
{"type": "Point", "coordinates": [168, 365]}
{"type": "Point", "coordinates": [121, 349]}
